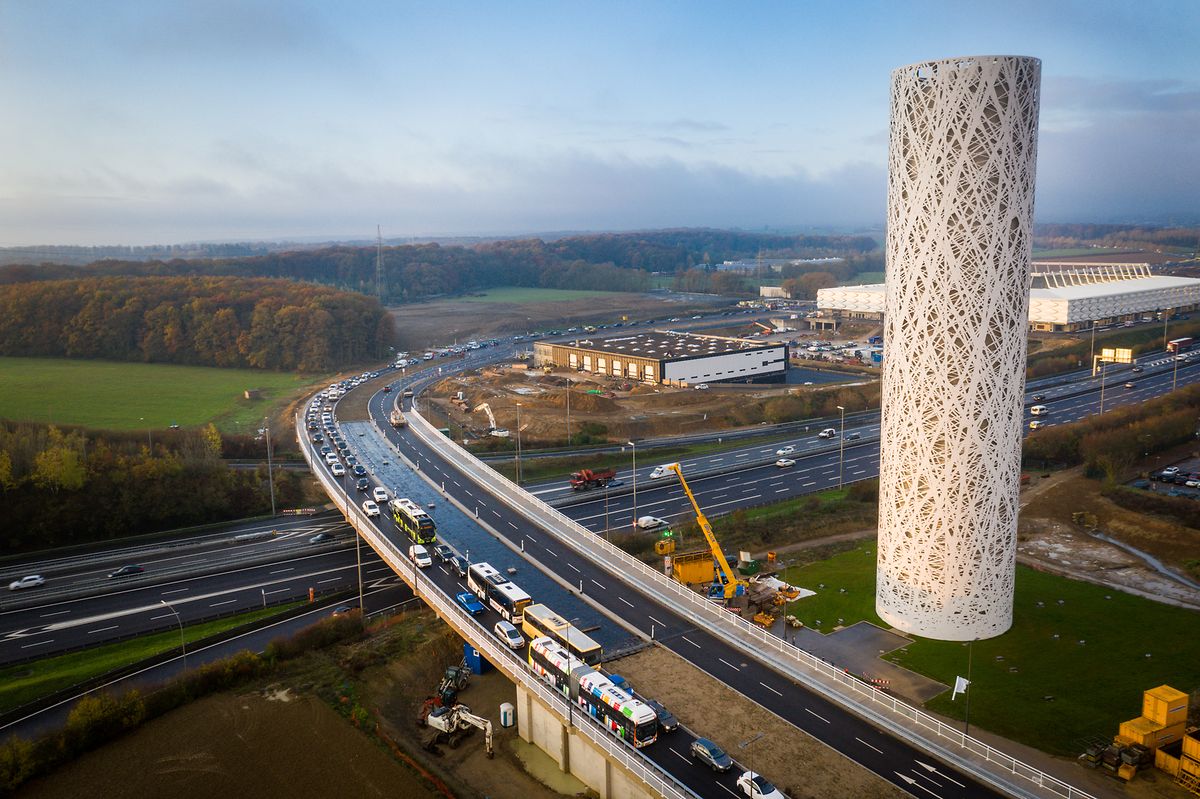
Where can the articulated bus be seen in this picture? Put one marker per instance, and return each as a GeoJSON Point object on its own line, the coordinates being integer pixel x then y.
{"type": "Point", "coordinates": [628, 718]}
{"type": "Point", "coordinates": [542, 622]}
{"type": "Point", "coordinates": [503, 595]}
{"type": "Point", "coordinates": [416, 523]}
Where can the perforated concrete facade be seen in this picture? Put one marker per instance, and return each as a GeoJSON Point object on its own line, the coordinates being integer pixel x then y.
{"type": "Point", "coordinates": [962, 159]}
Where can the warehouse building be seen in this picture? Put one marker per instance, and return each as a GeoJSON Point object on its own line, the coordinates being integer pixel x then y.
{"type": "Point", "coordinates": [668, 358]}
{"type": "Point", "coordinates": [1064, 296]}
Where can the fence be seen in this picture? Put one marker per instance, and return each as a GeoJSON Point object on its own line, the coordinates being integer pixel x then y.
{"type": "Point", "coordinates": [755, 641]}
{"type": "Point", "coordinates": [654, 778]}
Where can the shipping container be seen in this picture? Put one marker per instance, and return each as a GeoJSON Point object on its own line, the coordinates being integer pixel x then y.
{"type": "Point", "coordinates": [1164, 705]}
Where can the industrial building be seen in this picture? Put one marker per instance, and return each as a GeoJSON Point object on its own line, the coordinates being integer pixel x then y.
{"type": "Point", "coordinates": [669, 358]}
{"type": "Point", "coordinates": [1064, 296]}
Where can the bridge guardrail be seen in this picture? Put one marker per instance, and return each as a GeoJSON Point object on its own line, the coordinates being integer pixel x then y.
{"type": "Point", "coordinates": [742, 634]}
{"type": "Point", "coordinates": [653, 777]}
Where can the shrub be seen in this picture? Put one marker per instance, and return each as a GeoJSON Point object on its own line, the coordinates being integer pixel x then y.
{"type": "Point", "coordinates": [16, 763]}
{"type": "Point", "coordinates": [100, 716]}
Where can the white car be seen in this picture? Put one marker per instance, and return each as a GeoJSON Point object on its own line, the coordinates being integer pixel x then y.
{"type": "Point", "coordinates": [507, 633]}
{"type": "Point", "coordinates": [828, 432]}
{"type": "Point", "coordinates": [337, 470]}
{"type": "Point", "coordinates": [702, 387]}
{"type": "Point", "coordinates": [370, 508]}
{"type": "Point", "coordinates": [783, 463]}
{"type": "Point", "coordinates": [1170, 471]}
{"type": "Point", "coordinates": [331, 458]}
{"type": "Point", "coordinates": [28, 581]}
{"type": "Point", "coordinates": [756, 786]}
{"type": "Point", "coordinates": [788, 450]}
{"type": "Point", "coordinates": [650, 522]}
{"type": "Point", "coordinates": [659, 472]}
{"type": "Point", "coordinates": [380, 495]}
{"type": "Point", "coordinates": [420, 556]}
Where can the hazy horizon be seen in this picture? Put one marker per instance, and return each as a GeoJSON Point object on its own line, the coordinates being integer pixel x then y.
{"type": "Point", "coordinates": [151, 124]}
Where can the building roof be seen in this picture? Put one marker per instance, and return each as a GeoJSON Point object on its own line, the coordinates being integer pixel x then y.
{"type": "Point", "coordinates": [663, 346]}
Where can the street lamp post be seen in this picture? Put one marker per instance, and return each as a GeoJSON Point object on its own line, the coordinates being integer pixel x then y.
{"type": "Point", "coordinates": [270, 470]}
{"type": "Point", "coordinates": [1175, 372]}
{"type": "Point", "coordinates": [606, 533]}
{"type": "Point", "coordinates": [518, 443]}
{"type": "Point", "coordinates": [182, 643]}
{"type": "Point", "coordinates": [1102, 363]}
{"type": "Point", "coordinates": [568, 412]}
{"type": "Point", "coordinates": [841, 445]}
{"type": "Point", "coordinates": [1092, 354]}
{"type": "Point", "coordinates": [634, 484]}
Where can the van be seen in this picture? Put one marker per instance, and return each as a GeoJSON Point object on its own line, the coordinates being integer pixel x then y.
{"type": "Point", "coordinates": [1039, 410]}
{"type": "Point", "coordinates": [659, 472]}
{"type": "Point", "coordinates": [420, 556]}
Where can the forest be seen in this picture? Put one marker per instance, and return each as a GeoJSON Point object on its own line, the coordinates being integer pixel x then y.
{"type": "Point", "coordinates": [62, 486]}
{"type": "Point", "coordinates": [202, 321]}
{"type": "Point", "coordinates": [1117, 236]}
{"type": "Point", "coordinates": [614, 262]}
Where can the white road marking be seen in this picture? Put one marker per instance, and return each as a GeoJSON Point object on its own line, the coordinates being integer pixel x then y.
{"type": "Point", "coordinates": [626, 601]}
{"type": "Point", "coordinates": [730, 665]}
{"type": "Point", "coordinates": [602, 588]}
{"type": "Point", "coordinates": [329, 580]}
{"type": "Point", "coordinates": [690, 641]}
{"type": "Point", "coordinates": [864, 743]}
{"type": "Point", "coordinates": [513, 526]}
{"type": "Point", "coordinates": [551, 551]}
{"type": "Point", "coordinates": [532, 540]}
{"type": "Point", "coordinates": [103, 629]}
{"type": "Point", "coordinates": [769, 688]}
{"type": "Point", "coordinates": [572, 565]}
{"type": "Point", "coordinates": [161, 616]}
{"type": "Point", "coordinates": [226, 602]}
{"type": "Point", "coordinates": [55, 613]}
{"type": "Point", "coordinates": [277, 591]}
{"type": "Point", "coordinates": [731, 793]}
{"type": "Point", "coordinates": [173, 591]}
{"type": "Point", "coordinates": [39, 643]}
{"type": "Point", "coordinates": [281, 571]}
{"type": "Point", "coordinates": [681, 757]}
{"type": "Point", "coordinates": [656, 621]}
{"type": "Point", "coordinates": [822, 718]}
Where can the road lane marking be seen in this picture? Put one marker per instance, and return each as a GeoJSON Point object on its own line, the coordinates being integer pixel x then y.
{"type": "Point", "coordinates": [681, 757]}
{"type": "Point", "coordinates": [731, 793]}
{"type": "Point", "coordinates": [329, 580]}
{"type": "Point", "coordinates": [572, 565]}
{"type": "Point", "coordinates": [103, 629]}
{"type": "Point", "coordinates": [276, 591]}
{"type": "Point", "coordinates": [532, 540]}
{"type": "Point", "coordinates": [161, 616]}
{"type": "Point", "coordinates": [173, 591]}
{"type": "Point", "coordinates": [39, 643]}
{"type": "Point", "coordinates": [551, 551]}
{"type": "Point", "coordinates": [730, 665]}
{"type": "Point", "coordinates": [864, 743]}
{"type": "Point", "coordinates": [769, 688]}
{"type": "Point", "coordinates": [626, 601]}
{"type": "Point", "coordinates": [513, 526]}
{"type": "Point", "coordinates": [656, 621]}
{"type": "Point", "coordinates": [822, 718]}
{"type": "Point", "coordinates": [498, 516]}
{"type": "Point", "coordinates": [55, 613]}
{"type": "Point", "coordinates": [601, 587]}
{"type": "Point", "coordinates": [226, 602]}
{"type": "Point", "coordinates": [281, 571]}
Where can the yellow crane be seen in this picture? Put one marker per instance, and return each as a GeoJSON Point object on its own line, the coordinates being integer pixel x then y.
{"type": "Point", "coordinates": [730, 586]}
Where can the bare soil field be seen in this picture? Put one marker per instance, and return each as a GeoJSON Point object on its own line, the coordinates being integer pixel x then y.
{"type": "Point", "coordinates": [422, 325]}
{"type": "Point", "coordinates": [250, 745]}
{"type": "Point", "coordinates": [800, 765]}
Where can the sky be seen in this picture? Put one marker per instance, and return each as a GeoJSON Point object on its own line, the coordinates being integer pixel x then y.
{"type": "Point", "coordinates": [160, 122]}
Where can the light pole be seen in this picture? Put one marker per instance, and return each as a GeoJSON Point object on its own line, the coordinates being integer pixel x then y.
{"type": "Point", "coordinates": [270, 470]}
{"type": "Point", "coordinates": [1166, 315]}
{"type": "Point", "coordinates": [1092, 354]}
{"type": "Point", "coordinates": [1102, 363]}
{"type": "Point", "coordinates": [634, 484]}
{"type": "Point", "coordinates": [841, 445]}
{"type": "Point", "coordinates": [362, 610]}
{"type": "Point", "coordinates": [518, 443]}
{"type": "Point", "coordinates": [182, 643]}
{"type": "Point", "coordinates": [1175, 371]}
{"type": "Point", "coordinates": [568, 412]}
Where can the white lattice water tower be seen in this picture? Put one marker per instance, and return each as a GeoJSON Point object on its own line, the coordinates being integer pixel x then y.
{"type": "Point", "coordinates": [962, 159]}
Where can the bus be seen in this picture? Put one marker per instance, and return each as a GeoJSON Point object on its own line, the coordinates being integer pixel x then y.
{"type": "Point", "coordinates": [630, 719]}
{"type": "Point", "coordinates": [1179, 345]}
{"type": "Point", "coordinates": [540, 621]}
{"type": "Point", "coordinates": [416, 523]}
{"type": "Point", "coordinates": [503, 595]}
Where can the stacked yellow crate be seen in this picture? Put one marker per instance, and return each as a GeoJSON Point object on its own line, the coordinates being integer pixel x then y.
{"type": "Point", "coordinates": [1164, 716]}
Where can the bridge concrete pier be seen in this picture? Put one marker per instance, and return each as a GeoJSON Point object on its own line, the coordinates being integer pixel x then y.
{"type": "Point", "coordinates": [575, 754]}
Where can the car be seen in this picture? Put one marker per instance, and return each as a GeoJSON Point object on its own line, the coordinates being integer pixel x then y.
{"type": "Point", "coordinates": [351, 460]}
{"type": "Point", "coordinates": [702, 387]}
{"type": "Point", "coordinates": [380, 494]}
{"type": "Point", "coordinates": [658, 472]}
{"type": "Point", "coordinates": [363, 484]}
{"type": "Point", "coordinates": [756, 786]}
{"type": "Point", "coordinates": [408, 392]}
{"type": "Point", "coordinates": [370, 508]}
{"type": "Point", "coordinates": [1130, 385]}
{"type": "Point", "coordinates": [470, 603]}
{"type": "Point", "coordinates": [1039, 397]}
{"type": "Point", "coordinates": [342, 610]}
{"type": "Point", "coordinates": [317, 438]}
{"type": "Point", "coordinates": [828, 432]}
{"type": "Point", "coordinates": [788, 450]}
{"type": "Point", "coordinates": [321, 538]}
{"type": "Point", "coordinates": [126, 571]}
{"type": "Point", "coordinates": [1039, 410]}
{"type": "Point", "coordinates": [1170, 471]}
{"type": "Point", "coordinates": [711, 755]}
{"type": "Point", "coordinates": [1136, 370]}
{"type": "Point", "coordinates": [507, 633]}
{"type": "Point", "coordinates": [331, 459]}
{"type": "Point", "coordinates": [459, 564]}
{"type": "Point", "coordinates": [1036, 424]}
{"type": "Point", "coordinates": [854, 436]}
{"type": "Point", "coordinates": [337, 469]}
{"type": "Point", "coordinates": [443, 553]}
{"type": "Point", "coordinates": [615, 482]}
{"type": "Point", "coordinates": [420, 556]}
{"type": "Point", "coordinates": [360, 470]}
{"type": "Point", "coordinates": [783, 463]}
{"type": "Point", "coordinates": [650, 522]}
{"type": "Point", "coordinates": [666, 719]}
{"type": "Point", "coordinates": [28, 581]}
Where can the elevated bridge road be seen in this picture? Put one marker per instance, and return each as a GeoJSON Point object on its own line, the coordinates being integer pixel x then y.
{"type": "Point", "coordinates": [888, 757]}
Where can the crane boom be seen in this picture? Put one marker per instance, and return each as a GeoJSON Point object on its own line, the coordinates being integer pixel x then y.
{"type": "Point", "coordinates": [731, 584]}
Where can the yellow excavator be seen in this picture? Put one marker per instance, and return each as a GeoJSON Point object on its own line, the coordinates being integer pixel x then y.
{"type": "Point", "coordinates": [727, 584]}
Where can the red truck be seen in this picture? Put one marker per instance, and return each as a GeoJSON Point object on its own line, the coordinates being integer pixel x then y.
{"type": "Point", "coordinates": [584, 479]}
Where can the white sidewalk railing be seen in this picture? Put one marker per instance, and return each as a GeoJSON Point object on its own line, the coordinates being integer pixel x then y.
{"type": "Point", "coordinates": [947, 742]}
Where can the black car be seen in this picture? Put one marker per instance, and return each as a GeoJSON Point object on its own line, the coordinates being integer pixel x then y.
{"type": "Point", "coordinates": [318, 438]}
{"type": "Point", "coordinates": [321, 538]}
{"type": "Point", "coordinates": [666, 719]}
{"type": "Point", "coordinates": [126, 571]}
{"type": "Point", "coordinates": [459, 564]}
{"type": "Point", "coordinates": [443, 553]}
{"type": "Point", "coordinates": [1038, 397]}
{"type": "Point", "coordinates": [711, 755]}
{"type": "Point", "coordinates": [325, 450]}
{"type": "Point", "coordinates": [360, 470]}
{"type": "Point", "coordinates": [363, 484]}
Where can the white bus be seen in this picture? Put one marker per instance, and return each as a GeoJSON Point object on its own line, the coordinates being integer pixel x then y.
{"type": "Point", "coordinates": [503, 595]}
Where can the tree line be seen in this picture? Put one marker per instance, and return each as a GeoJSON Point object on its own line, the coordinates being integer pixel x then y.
{"type": "Point", "coordinates": [206, 321]}
{"type": "Point", "coordinates": [615, 262]}
{"type": "Point", "coordinates": [1118, 236]}
{"type": "Point", "coordinates": [63, 486]}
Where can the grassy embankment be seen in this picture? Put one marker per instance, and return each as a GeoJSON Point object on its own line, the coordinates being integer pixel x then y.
{"type": "Point", "coordinates": [521, 295]}
{"type": "Point", "coordinates": [1073, 665]}
{"type": "Point", "coordinates": [26, 682]}
{"type": "Point", "coordinates": [132, 396]}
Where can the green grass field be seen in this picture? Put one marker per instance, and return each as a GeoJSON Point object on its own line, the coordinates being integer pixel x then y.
{"type": "Point", "coordinates": [26, 682]}
{"type": "Point", "coordinates": [1074, 252]}
{"type": "Point", "coordinates": [520, 296]}
{"type": "Point", "coordinates": [865, 279]}
{"type": "Point", "coordinates": [1095, 685]}
{"type": "Point", "coordinates": [134, 396]}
